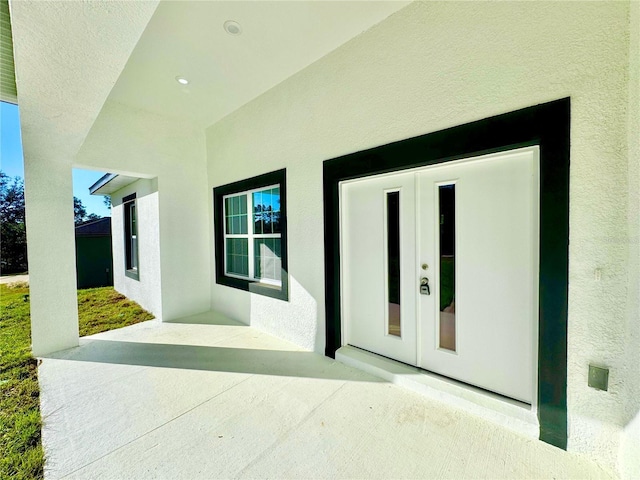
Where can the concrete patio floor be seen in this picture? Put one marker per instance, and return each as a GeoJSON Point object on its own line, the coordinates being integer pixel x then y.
{"type": "Point", "coordinates": [198, 401]}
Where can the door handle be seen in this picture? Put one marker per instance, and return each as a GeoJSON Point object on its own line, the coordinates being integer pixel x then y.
{"type": "Point", "coordinates": [424, 286]}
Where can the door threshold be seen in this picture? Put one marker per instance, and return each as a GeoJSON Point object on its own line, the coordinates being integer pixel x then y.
{"type": "Point", "coordinates": [512, 414]}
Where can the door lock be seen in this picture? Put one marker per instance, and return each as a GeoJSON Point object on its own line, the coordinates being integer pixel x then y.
{"type": "Point", "coordinates": [424, 286]}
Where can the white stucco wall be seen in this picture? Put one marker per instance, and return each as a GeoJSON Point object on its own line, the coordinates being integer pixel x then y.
{"type": "Point", "coordinates": [146, 290]}
{"type": "Point", "coordinates": [630, 451]}
{"type": "Point", "coordinates": [54, 121]}
{"type": "Point", "coordinates": [51, 252]}
{"type": "Point", "coordinates": [440, 64]}
{"type": "Point", "coordinates": [131, 141]}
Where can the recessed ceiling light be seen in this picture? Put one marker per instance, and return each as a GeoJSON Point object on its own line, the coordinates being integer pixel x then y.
{"type": "Point", "coordinates": [182, 80]}
{"type": "Point", "coordinates": [232, 27]}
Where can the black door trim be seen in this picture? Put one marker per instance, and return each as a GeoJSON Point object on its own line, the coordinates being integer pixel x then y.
{"type": "Point", "coordinates": [547, 125]}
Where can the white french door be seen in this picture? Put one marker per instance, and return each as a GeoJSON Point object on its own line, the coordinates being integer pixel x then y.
{"type": "Point", "coordinates": [377, 320]}
{"type": "Point", "coordinates": [440, 269]}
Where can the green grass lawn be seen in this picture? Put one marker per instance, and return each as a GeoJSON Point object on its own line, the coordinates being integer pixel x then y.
{"type": "Point", "coordinates": [99, 309]}
{"type": "Point", "coordinates": [102, 309]}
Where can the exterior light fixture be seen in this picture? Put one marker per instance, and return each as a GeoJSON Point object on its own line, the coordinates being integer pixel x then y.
{"type": "Point", "coordinates": [182, 80]}
{"type": "Point", "coordinates": [232, 27]}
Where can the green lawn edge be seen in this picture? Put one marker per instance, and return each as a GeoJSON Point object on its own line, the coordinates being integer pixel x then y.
{"type": "Point", "coordinates": [99, 310]}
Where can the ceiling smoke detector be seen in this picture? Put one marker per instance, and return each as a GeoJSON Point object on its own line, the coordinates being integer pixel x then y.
{"type": "Point", "coordinates": [182, 80]}
{"type": "Point", "coordinates": [232, 27]}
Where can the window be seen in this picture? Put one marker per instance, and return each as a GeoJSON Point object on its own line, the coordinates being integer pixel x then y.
{"type": "Point", "coordinates": [131, 236]}
{"type": "Point", "coordinates": [250, 235]}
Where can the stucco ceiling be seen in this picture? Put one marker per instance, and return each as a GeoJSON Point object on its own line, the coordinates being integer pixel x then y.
{"type": "Point", "coordinates": [68, 56]}
{"type": "Point", "coordinates": [226, 71]}
{"type": "Point", "coordinates": [71, 56]}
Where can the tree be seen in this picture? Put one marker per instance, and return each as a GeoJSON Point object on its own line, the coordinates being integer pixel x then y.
{"type": "Point", "coordinates": [13, 237]}
{"type": "Point", "coordinates": [11, 198]}
{"type": "Point", "coordinates": [106, 199]}
{"type": "Point", "coordinates": [79, 212]}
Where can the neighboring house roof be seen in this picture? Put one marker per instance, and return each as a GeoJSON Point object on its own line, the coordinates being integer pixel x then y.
{"type": "Point", "coordinates": [94, 228]}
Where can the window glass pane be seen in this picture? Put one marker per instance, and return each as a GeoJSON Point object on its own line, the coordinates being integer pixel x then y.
{"type": "Point", "coordinates": [243, 224]}
{"type": "Point", "coordinates": [134, 228]}
{"type": "Point", "coordinates": [266, 200]}
{"type": "Point", "coordinates": [257, 202]}
{"type": "Point", "coordinates": [237, 225]}
{"type": "Point", "coordinates": [237, 256]}
{"type": "Point", "coordinates": [267, 262]}
{"type": "Point", "coordinates": [447, 211]}
{"type": "Point", "coordinates": [275, 222]}
{"type": "Point", "coordinates": [257, 212]}
{"type": "Point", "coordinates": [278, 269]}
{"type": "Point", "coordinates": [267, 226]}
{"type": "Point", "coordinates": [266, 211]}
{"type": "Point", "coordinates": [265, 204]}
{"type": "Point", "coordinates": [134, 252]}
{"type": "Point", "coordinates": [236, 215]}
{"type": "Point", "coordinates": [275, 210]}
{"type": "Point", "coordinates": [244, 267]}
{"type": "Point", "coordinates": [393, 262]}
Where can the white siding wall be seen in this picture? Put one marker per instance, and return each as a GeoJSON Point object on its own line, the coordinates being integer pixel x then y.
{"type": "Point", "coordinates": [439, 64]}
{"type": "Point", "coordinates": [146, 290]}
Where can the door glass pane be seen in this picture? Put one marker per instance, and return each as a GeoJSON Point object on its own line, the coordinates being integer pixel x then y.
{"type": "Point", "coordinates": [447, 211]}
{"type": "Point", "coordinates": [393, 262]}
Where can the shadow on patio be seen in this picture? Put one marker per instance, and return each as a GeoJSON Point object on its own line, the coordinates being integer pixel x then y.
{"type": "Point", "coordinates": [212, 358]}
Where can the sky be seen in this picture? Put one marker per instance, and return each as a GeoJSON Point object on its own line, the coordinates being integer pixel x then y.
{"type": "Point", "coordinates": [12, 163]}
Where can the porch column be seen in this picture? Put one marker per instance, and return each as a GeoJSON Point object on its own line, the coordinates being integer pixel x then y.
{"type": "Point", "coordinates": [51, 253]}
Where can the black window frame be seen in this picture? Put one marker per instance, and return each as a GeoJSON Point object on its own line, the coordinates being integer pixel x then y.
{"type": "Point", "coordinates": [278, 177]}
{"type": "Point", "coordinates": [129, 270]}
